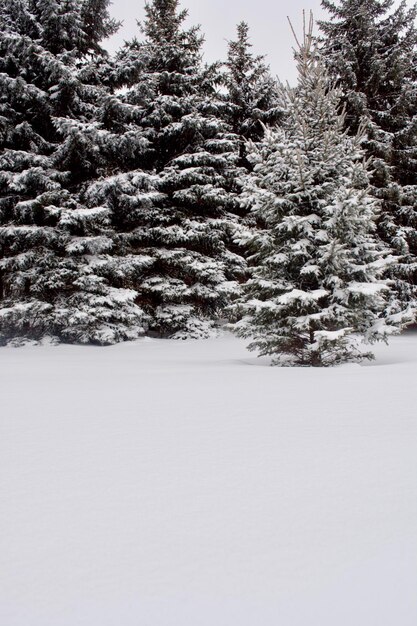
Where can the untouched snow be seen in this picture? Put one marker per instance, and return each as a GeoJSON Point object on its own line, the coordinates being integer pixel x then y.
{"type": "Point", "coordinates": [163, 483]}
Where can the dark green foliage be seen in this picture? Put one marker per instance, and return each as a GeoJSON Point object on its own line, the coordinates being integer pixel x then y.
{"type": "Point", "coordinates": [50, 284]}
{"type": "Point", "coordinates": [371, 50]}
{"type": "Point", "coordinates": [171, 197]}
{"type": "Point", "coordinates": [252, 94]}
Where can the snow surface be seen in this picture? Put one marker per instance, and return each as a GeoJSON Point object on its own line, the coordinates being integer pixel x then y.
{"type": "Point", "coordinates": [162, 483]}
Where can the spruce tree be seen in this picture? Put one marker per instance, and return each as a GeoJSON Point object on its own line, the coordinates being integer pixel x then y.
{"type": "Point", "coordinates": [316, 293]}
{"type": "Point", "coordinates": [171, 198]}
{"type": "Point", "coordinates": [371, 50]}
{"type": "Point", "coordinates": [48, 241]}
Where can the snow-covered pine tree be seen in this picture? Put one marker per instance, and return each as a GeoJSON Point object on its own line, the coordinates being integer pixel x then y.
{"type": "Point", "coordinates": [48, 242]}
{"type": "Point", "coordinates": [370, 48]}
{"type": "Point", "coordinates": [252, 94]}
{"type": "Point", "coordinates": [315, 294]}
{"type": "Point", "coordinates": [171, 203]}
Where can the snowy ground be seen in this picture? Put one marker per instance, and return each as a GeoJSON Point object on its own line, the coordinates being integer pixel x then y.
{"type": "Point", "coordinates": [168, 483]}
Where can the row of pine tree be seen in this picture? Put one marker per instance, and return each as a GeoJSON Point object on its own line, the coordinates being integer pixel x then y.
{"type": "Point", "coordinates": [150, 193]}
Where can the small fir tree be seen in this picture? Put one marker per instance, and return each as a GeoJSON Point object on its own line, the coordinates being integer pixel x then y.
{"type": "Point", "coordinates": [316, 294]}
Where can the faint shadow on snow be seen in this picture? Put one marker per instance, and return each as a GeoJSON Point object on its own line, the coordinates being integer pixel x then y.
{"type": "Point", "coordinates": [261, 361]}
{"type": "Point", "coordinates": [398, 351]}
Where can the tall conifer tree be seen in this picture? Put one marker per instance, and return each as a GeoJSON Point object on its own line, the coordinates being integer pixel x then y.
{"type": "Point", "coordinates": [171, 199]}
{"type": "Point", "coordinates": [371, 50]}
{"type": "Point", "coordinates": [47, 240]}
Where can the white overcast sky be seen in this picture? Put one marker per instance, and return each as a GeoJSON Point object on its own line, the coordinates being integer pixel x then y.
{"type": "Point", "coordinates": [270, 32]}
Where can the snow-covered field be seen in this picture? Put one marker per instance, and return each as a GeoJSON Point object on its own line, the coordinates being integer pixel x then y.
{"type": "Point", "coordinates": [163, 483]}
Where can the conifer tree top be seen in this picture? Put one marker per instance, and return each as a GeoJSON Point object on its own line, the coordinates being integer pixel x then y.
{"type": "Point", "coordinates": [240, 60]}
{"type": "Point", "coordinates": [163, 24]}
{"type": "Point", "coordinates": [252, 93]}
{"type": "Point", "coordinates": [362, 8]}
